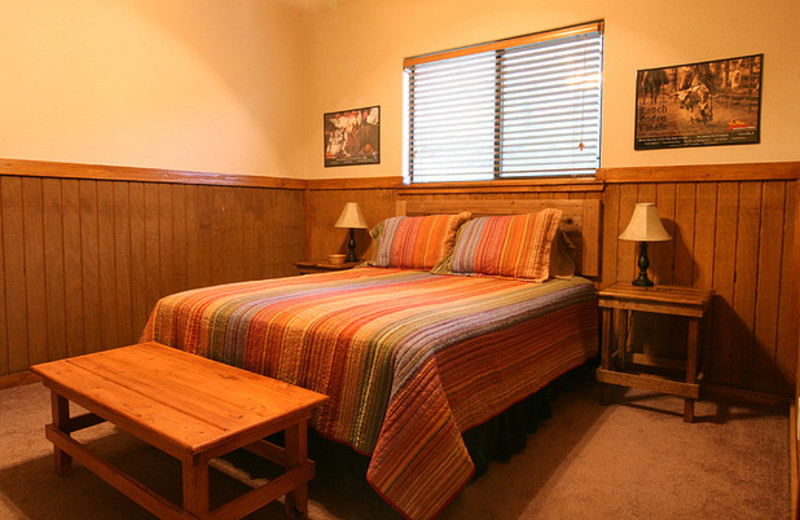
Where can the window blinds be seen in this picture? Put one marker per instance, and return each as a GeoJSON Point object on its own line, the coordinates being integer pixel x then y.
{"type": "Point", "coordinates": [528, 106]}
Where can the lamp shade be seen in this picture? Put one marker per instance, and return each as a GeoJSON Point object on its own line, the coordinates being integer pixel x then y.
{"type": "Point", "coordinates": [352, 217]}
{"type": "Point", "coordinates": [645, 226]}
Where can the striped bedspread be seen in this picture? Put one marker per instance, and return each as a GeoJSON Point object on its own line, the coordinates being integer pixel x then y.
{"type": "Point", "coordinates": [409, 359]}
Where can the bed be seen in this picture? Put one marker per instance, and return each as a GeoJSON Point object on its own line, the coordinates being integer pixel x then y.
{"type": "Point", "coordinates": [411, 358]}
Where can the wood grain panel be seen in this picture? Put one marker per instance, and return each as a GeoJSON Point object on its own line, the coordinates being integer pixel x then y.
{"type": "Point", "coordinates": [139, 308]}
{"type": "Point", "coordinates": [163, 215]}
{"type": "Point", "coordinates": [14, 263]}
{"type": "Point", "coordinates": [786, 357]}
{"type": "Point", "coordinates": [90, 263]}
{"type": "Point", "coordinates": [35, 278]}
{"type": "Point", "coordinates": [721, 369]}
{"type": "Point", "coordinates": [3, 337]}
{"type": "Point", "coordinates": [627, 251]}
{"type": "Point", "coordinates": [179, 238]}
{"type": "Point", "coordinates": [122, 264]}
{"type": "Point", "coordinates": [768, 287]}
{"type": "Point", "coordinates": [54, 269]}
{"type": "Point", "coordinates": [683, 240]}
{"type": "Point", "coordinates": [663, 253]}
{"type": "Point", "coordinates": [152, 245]}
{"type": "Point", "coordinates": [192, 234]}
{"type": "Point", "coordinates": [610, 241]}
{"type": "Point", "coordinates": [746, 278]}
{"type": "Point", "coordinates": [705, 235]}
{"type": "Point", "coordinates": [106, 263]}
{"type": "Point", "coordinates": [73, 268]}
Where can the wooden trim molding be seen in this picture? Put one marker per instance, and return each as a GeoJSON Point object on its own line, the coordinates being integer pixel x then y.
{"type": "Point", "coordinates": [742, 395]}
{"type": "Point", "coordinates": [581, 184]}
{"type": "Point", "coordinates": [19, 379]}
{"type": "Point", "coordinates": [356, 183]}
{"type": "Point", "coordinates": [702, 173]}
{"type": "Point", "coordinates": [64, 170]}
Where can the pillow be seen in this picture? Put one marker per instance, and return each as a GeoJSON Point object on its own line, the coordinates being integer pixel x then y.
{"type": "Point", "coordinates": [514, 246]}
{"type": "Point", "coordinates": [562, 256]}
{"type": "Point", "coordinates": [415, 242]}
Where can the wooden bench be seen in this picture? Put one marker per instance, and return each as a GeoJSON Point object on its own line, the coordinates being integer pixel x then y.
{"type": "Point", "coordinates": [192, 408]}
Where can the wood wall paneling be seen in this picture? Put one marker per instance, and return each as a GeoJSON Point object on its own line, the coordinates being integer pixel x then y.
{"type": "Point", "coordinates": [732, 231]}
{"type": "Point", "coordinates": [122, 262]}
{"type": "Point", "coordinates": [79, 246]}
{"type": "Point", "coordinates": [83, 260]}
{"type": "Point", "coordinates": [87, 190]}
{"type": "Point", "coordinates": [139, 266]}
{"type": "Point", "coordinates": [35, 286]}
{"type": "Point", "coordinates": [73, 268]}
{"type": "Point", "coordinates": [14, 263]}
{"type": "Point", "coordinates": [786, 356]}
{"type": "Point", "coordinates": [109, 297]}
{"type": "Point", "coordinates": [54, 269]}
{"type": "Point", "coordinates": [4, 351]}
{"type": "Point", "coordinates": [324, 208]}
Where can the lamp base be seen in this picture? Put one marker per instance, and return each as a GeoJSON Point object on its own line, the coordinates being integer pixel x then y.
{"type": "Point", "coordinates": [644, 263]}
{"type": "Point", "coordinates": [351, 257]}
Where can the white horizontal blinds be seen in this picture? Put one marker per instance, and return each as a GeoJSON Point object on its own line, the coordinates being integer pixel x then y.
{"type": "Point", "coordinates": [452, 119]}
{"type": "Point", "coordinates": [525, 107]}
{"type": "Point", "coordinates": [549, 114]}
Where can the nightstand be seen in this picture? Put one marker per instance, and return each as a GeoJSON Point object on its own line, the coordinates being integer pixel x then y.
{"type": "Point", "coordinates": [323, 266]}
{"type": "Point", "coordinates": [620, 367]}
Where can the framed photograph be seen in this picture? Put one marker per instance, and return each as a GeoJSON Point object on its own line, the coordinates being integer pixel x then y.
{"type": "Point", "coordinates": [353, 137]}
{"type": "Point", "coordinates": [699, 104]}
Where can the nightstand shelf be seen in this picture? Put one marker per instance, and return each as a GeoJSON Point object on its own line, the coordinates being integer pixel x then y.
{"type": "Point", "coordinates": [321, 266]}
{"type": "Point", "coordinates": [639, 370]}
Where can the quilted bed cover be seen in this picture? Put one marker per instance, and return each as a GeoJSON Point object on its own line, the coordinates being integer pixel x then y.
{"type": "Point", "coordinates": [409, 359]}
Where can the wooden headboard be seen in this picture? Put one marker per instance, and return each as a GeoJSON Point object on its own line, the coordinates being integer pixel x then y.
{"type": "Point", "coordinates": [580, 220]}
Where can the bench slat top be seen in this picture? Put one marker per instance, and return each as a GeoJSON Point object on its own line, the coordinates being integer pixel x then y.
{"type": "Point", "coordinates": [167, 396]}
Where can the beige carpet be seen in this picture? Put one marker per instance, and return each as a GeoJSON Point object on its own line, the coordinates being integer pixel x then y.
{"type": "Point", "coordinates": [635, 459]}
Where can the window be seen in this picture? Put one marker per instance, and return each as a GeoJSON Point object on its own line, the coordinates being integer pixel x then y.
{"type": "Point", "coordinates": [522, 107]}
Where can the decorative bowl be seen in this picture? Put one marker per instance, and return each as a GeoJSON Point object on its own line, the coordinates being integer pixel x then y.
{"type": "Point", "coordinates": [336, 259]}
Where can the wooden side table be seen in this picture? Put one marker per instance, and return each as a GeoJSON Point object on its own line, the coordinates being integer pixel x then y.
{"type": "Point", "coordinates": [321, 266]}
{"type": "Point", "coordinates": [619, 301]}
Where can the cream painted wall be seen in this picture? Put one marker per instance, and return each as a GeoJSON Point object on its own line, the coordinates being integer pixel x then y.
{"type": "Point", "coordinates": [205, 85]}
{"type": "Point", "coordinates": [357, 47]}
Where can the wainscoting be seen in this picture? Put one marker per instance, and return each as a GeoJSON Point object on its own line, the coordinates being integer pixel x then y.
{"type": "Point", "coordinates": [87, 250]}
{"type": "Point", "coordinates": [82, 261]}
{"type": "Point", "coordinates": [733, 229]}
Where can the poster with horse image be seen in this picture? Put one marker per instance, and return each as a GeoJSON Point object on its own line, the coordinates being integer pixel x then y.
{"type": "Point", "coordinates": [353, 137]}
{"type": "Point", "coordinates": [699, 104]}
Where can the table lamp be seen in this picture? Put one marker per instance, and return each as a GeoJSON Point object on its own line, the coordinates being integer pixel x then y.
{"type": "Point", "coordinates": [352, 218]}
{"type": "Point", "coordinates": [644, 227]}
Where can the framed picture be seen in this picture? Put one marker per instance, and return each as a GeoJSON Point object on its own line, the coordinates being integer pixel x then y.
{"type": "Point", "coordinates": [353, 137]}
{"type": "Point", "coordinates": [699, 104]}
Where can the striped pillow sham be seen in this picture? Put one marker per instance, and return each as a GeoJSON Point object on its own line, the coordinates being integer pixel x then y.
{"type": "Point", "coordinates": [513, 246]}
{"type": "Point", "coordinates": [415, 242]}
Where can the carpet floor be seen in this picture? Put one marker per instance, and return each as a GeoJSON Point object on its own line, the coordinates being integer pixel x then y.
{"type": "Point", "coordinates": [633, 459]}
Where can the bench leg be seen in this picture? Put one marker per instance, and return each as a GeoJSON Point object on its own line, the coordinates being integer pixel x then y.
{"type": "Point", "coordinates": [296, 456]}
{"type": "Point", "coordinates": [195, 486]}
{"type": "Point", "coordinates": [60, 411]}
